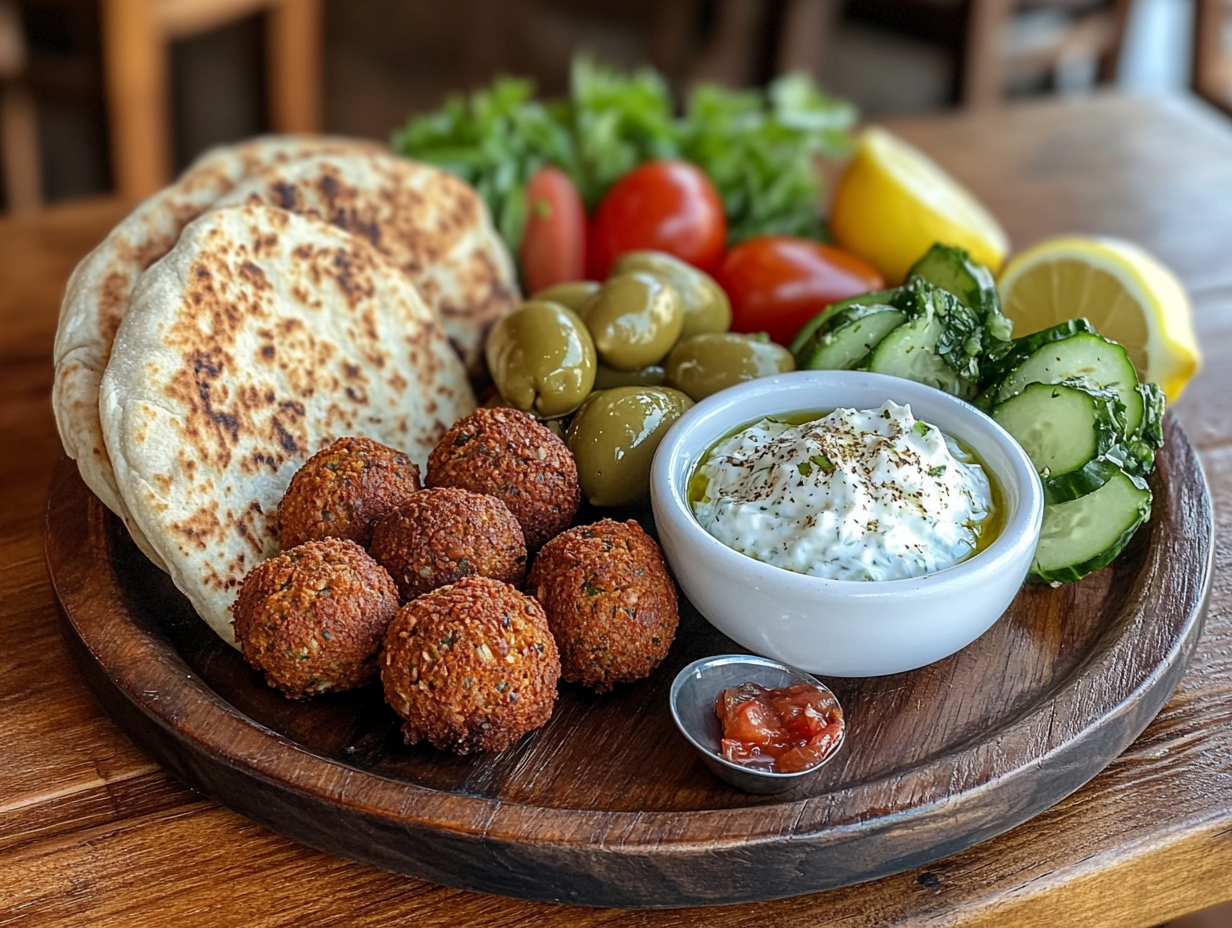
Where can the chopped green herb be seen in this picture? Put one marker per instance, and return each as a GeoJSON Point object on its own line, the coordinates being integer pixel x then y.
{"type": "Point", "coordinates": [805, 468]}
{"type": "Point", "coordinates": [591, 589]}
{"type": "Point", "coordinates": [823, 462]}
{"type": "Point", "coordinates": [936, 471]}
{"type": "Point", "coordinates": [920, 428]}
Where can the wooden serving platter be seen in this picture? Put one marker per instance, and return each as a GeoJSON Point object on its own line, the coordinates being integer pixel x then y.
{"type": "Point", "coordinates": [608, 805]}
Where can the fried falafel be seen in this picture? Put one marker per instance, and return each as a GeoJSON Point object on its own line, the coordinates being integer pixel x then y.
{"type": "Point", "coordinates": [440, 535]}
{"type": "Point", "coordinates": [343, 490]}
{"type": "Point", "coordinates": [313, 617]}
{"type": "Point", "coordinates": [471, 666]}
{"type": "Point", "coordinates": [610, 602]}
{"type": "Point", "coordinates": [506, 453]}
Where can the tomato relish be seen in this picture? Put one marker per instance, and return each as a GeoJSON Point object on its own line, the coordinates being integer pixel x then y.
{"type": "Point", "coordinates": [784, 730]}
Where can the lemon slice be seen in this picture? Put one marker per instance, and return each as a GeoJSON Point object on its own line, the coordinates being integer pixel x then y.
{"type": "Point", "coordinates": [894, 202]}
{"type": "Point", "coordinates": [1121, 289]}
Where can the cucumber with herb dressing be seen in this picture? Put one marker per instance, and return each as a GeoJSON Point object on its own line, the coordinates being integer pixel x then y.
{"type": "Point", "coordinates": [1071, 431]}
{"type": "Point", "coordinates": [1082, 356]}
{"type": "Point", "coordinates": [847, 338]}
{"type": "Point", "coordinates": [1086, 534]}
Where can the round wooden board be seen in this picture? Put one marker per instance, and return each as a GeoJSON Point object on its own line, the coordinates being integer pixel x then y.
{"type": "Point", "coordinates": [608, 805]}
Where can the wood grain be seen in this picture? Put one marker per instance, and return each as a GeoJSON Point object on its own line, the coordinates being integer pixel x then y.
{"type": "Point", "coordinates": [116, 842]}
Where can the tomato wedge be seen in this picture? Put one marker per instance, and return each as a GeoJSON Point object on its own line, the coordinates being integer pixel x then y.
{"type": "Point", "coordinates": [553, 249]}
{"type": "Point", "coordinates": [777, 283]}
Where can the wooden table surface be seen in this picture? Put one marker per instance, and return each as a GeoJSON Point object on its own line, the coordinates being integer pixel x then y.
{"type": "Point", "coordinates": [93, 833]}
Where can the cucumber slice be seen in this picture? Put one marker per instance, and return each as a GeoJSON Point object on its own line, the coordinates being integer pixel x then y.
{"type": "Point", "coordinates": [1084, 356]}
{"type": "Point", "coordinates": [808, 330]}
{"type": "Point", "coordinates": [1150, 435]}
{"type": "Point", "coordinates": [992, 373]}
{"type": "Point", "coordinates": [959, 341]}
{"type": "Point", "coordinates": [952, 270]}
{"type": "Point", "coordinates": [1071, 432]}
{"type": "Point", "coordinates": [1086, 534]}
{"type": "Point", "coordinates": [846, 338]}
{"type": "Point", "coordinates": [910, 351]}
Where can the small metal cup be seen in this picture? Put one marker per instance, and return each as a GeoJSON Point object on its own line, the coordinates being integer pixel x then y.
{"type": "Point", "coordinates": [692, 701]}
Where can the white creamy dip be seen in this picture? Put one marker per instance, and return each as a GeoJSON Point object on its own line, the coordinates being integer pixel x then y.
{"type": "Point", "coordinates": [870, 494]}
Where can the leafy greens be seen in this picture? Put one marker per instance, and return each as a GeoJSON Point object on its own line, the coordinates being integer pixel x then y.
{"type": "Point", "coordinates": [758, 147]}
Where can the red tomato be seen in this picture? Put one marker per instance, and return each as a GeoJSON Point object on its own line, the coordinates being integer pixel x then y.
{"type": "Point", "coordinates": [554, 244]}
{"type": "Point", "coordinates": [777, 283]}
{"type": "Point", "coordinates": [667, 205]}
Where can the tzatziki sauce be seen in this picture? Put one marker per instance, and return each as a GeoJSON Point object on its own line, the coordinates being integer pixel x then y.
{"type": "Point", "coordinates": [872, 494]}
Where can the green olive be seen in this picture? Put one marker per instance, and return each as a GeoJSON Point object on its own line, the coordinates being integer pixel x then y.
{"type": "Point", "coordinates": [635, 319]}
{"type": "Point", "coordinates": [614, 436]}
{"type": "Point", "coordinates": [706, 306]}
{"type": "Point", "coordinates": [542, 359]}
{"type": "Point", "coordinates": [608, 377]}
{"type": "Point", "coordinates": [705, 364]}
{"type": "Point", "coordinates": [572, 295]}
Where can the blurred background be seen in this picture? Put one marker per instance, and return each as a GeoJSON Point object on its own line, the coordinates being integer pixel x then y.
{"type": "Point", "coordinates": [116, 95]}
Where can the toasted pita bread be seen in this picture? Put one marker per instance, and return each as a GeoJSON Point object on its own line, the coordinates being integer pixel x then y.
{"type": "Point", "coordinates": [99, 291]}
{"type": "Point", "coordinates": [427, 221]}
{"type": "Point", "coordinates": [259, 339]}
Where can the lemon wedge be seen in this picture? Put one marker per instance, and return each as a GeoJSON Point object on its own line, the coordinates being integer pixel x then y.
{"type": "Point", "coordinates": [1126, 293]}
{"type": "Point", "coordinates": [894, 202]}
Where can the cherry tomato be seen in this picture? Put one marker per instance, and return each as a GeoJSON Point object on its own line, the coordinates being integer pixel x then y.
{"type": "Point", "coordinates": [553, 247]}
{"type": "Point", "coordinates": [666, 205]}
{"type": "Point", "coordinates": [777, 283]}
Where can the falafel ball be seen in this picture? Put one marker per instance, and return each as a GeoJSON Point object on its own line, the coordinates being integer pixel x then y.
{"type": "Point", "coordinates": [506, 453]}
{"type": "Point", "coordinates": [471, 666]}
{"type": "Point", "coordinates": [343, 490]}
{"type": "Point", "coordinates": [438, 536]}
{"type": "Point", "coordinates": [313, 617]}
{"type": "Point", "coordinates": [610, 602]}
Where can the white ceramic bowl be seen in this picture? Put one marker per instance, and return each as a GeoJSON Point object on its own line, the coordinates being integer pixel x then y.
{"type": "Point", "coordinates": [844, 628]}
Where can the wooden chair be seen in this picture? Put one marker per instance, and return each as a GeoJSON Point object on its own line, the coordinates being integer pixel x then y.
{"type": "Point", "coordinates": [977, 30]}
{"type": "Point", "coordinates": [1212, 57]}
{"type": "Point", "coordinates": [1094, 31]}
{"type": "Point", "coordinates": [19, 149]}
{"type": "Point", "coordinates": [136, 36]}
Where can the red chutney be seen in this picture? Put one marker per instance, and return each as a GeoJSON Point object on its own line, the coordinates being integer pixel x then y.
{"type": "Point", "coordinates": [785, 730]}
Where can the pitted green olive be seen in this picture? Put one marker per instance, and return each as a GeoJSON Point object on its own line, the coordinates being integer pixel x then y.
{"type": "Point", "coordinates": [705, 364]}
{"type": "Point", "coordinates": [572, 295]}
{"type": "Point", "coordinates": [706, 306]}
{"type": "Point", "coordinates": [635, 318]}
{"type": "Point", "coordinates": [614, 436]}
{"type": "Point", "coordinates": [608, 377]}
{"type": "Point", "coordinates": [542, 359]}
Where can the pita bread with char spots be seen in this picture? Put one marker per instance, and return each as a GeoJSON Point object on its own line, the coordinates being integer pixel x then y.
{"type": "Point", "coordinates": [425, 220]}
{"type": "Point", "coordinates": [259, 339]}
{"type": "Point", "coordinates": [100, 289]}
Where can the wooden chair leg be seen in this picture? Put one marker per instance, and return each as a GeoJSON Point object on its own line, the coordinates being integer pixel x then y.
{"type": "Point", "coordinates": [23, 183]}
{"type": "Point", "coordinates": [1110, 61]}
{"type": "Point", "coordinates": [983, 78]}
{"type": "Point", "coordinates": [807, 27]}
{"type": "Point", "coordinates": [294, 50]}
{"type": "Point", "coordinates": [727, 59]}
{"type": "Point", "coordinates": [136, 74]}
{"type": "Point", "coordinates": [1209, 72]}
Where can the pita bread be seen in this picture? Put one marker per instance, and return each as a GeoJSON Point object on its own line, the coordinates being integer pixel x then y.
{"type": "Point", "coordinates": [427, 221]}
{"type": "Point", "coordinates": [259, 339]}
{"type": "Point", "coordinates": [99, 290]}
